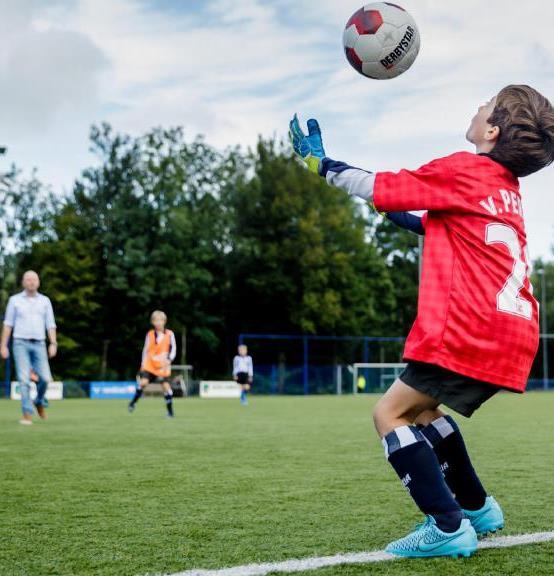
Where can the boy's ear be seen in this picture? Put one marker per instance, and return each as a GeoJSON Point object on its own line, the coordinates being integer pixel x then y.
{"type": "Point", "coordinates": [492, 134]}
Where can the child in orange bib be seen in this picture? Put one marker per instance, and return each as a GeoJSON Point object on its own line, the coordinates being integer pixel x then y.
{"type": "Point", "coordinates": [158, 353]}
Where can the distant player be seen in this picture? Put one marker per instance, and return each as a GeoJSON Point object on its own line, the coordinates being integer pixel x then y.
{"type": "Point", "coordinates": [243, 372]}
{"type": "Point", "coordinates": [158, 353]}
{"type": "Point", "coordinates": [477, 326]}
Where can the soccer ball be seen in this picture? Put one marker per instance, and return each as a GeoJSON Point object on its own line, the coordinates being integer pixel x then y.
{"type": "Point", "coordinates": [381, 40]}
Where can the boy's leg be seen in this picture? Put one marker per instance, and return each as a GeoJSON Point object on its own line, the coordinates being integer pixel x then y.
{"type": "Point", "coordinates": [143, 382]}
{"type": "Point", "coordinates": [168, 397]}
{"type": "Point", "coordinates": [39, 361]}
{"type": "Point", "coordinates": [242, 379]}
{"type": "Point", "coordinates": [23, 370]}
{"type": "Point", "coordinates": [443, 434]}
{"type": "Point", "coordinates": [411, 456]}
{"type": "Point", "coordinates": [244, 393]}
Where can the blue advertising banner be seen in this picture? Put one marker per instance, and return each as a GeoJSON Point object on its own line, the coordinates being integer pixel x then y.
{"type": "Point", "coordinates": [114, 390]}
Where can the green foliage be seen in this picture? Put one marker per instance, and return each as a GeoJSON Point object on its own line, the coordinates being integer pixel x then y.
{"type": "Point", "coordinates": [69, 267]}
{"type": "Point", "coordinates": [401, 251]}
{"type": "Point", "coordinates": [224, 242]}
{"type": "Point", "coordinates": [299, 252]}
{"type": "Point", "coordinates": [153, 212]}
{"type": "Point", "coordinates": [26, 208]}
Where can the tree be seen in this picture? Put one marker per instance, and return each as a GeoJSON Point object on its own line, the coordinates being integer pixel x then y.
{"type": "Point", "coordinates": [224, 242]}
{"type": "Point", "coordinates": [400, 249]}
{"type": "Point", "coordinates": [70, 271]}
{"type": "Point", "coordinates": [26, 210]}
{"type": "Point", "coordinates": [151, 212]}
{"type": "Point", "coordinates": [299, 258]}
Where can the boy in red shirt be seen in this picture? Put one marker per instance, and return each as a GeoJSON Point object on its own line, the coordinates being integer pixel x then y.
{"type": "Point", "coordinates": [477, 326]}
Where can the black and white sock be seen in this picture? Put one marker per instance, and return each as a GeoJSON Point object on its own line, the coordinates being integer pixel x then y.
{"type": "Point", "coordinates": [169, 402]}
{"type": "Point", "coordinates": [138, 394]}
{"type": "Point", "coordinates": [418, 468]}
{"type": "Point", "coordinates": [446, 439]}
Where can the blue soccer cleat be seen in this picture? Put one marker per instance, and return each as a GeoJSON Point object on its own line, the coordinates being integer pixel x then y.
{"type": "Point", "coordinates": [428, 540]}
{"type": "Point", "coordinates": [489, 518]}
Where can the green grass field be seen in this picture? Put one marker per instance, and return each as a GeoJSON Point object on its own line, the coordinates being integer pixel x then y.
{"type": "Point", "coordinates": [94, 490]}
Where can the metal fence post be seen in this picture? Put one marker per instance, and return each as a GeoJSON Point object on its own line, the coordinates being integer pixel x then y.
{"type": "Point", "coordinates": [542, 274]}
{"type": "Point", "coordinates": [306, 367]}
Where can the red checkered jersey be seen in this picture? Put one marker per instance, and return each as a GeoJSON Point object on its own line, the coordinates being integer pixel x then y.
{"type": "Point", "coordinates": [476, 312]}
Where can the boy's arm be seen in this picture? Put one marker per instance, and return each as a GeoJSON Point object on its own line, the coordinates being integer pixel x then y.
{"type": "Point", "coordinates": [407, 221]}
{"type": "Point", "coordinates": [172, 348]}
{"type": "Point", "coordinates": [309, 148]}
{"type": "Point", "coordinates": [144, 351]}
{"type": "Point", "coordinates": [354, 181]}
{"type": "Point", "coordinates": [431, 187]}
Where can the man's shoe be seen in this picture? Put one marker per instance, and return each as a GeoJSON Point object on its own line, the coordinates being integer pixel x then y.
{"type": "Point", "coordinates": [41, 411]}
{"type": "Point", "coordinates": [489, 518]}
{"type": "Point", "coordinates": [428, 540]}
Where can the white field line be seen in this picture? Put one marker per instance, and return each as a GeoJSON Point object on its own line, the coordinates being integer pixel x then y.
{"type": "Point", "coordinates": [316, 562]}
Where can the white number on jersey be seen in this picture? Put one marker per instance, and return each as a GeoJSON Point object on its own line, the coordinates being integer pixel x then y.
{"type": "Point", "coordinates": [508, 300]}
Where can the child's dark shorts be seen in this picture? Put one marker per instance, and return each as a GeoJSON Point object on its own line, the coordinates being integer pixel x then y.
{"type": "Point", "coordinates": [153, 378]}
{"type": "Point", "coordinates": [461, 393]}
{"type": "Point", "coordinates": [242, 378]}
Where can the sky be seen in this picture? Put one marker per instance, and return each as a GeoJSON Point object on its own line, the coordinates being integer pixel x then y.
{"type": "Point", "coordinates": [236, 69]}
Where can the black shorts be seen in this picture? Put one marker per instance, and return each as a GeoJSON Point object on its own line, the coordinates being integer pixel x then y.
{"type": "Point", "coordinates": [461, 393]}
{"type": "Point", "coordinates": [152, 378]}
{"type": "Point", "coordinates": [242, 378]}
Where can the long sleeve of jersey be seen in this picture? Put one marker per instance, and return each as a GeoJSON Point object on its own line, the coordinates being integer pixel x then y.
{"type": "Point", "coordinates": [436, 186]}
{"type": "Point", "coordinates": [145, 350]}
{"type": "Point", "coordinates": [408, 221]}
{"type": "Point", "coordinates": [360, 183]}
{"type": "Point", "coordinates": [354, 181]}
{"type": "Point", "coordinates": [172, 348]}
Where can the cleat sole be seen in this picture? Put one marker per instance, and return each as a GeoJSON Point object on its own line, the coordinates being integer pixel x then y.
{"type": "Point", "coordinates": [489, 532]}
{"type": "Point", "coordinates": [463, 554]}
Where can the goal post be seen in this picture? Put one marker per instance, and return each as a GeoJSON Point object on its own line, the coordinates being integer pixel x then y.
{"type": "Point", "coordinates": [374, 376]}
{"type": "Point", "coordinates": [181, 378]}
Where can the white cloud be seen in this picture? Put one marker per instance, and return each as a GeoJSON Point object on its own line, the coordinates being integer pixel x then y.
{"type": "Point", "coordinates": [233, 69]}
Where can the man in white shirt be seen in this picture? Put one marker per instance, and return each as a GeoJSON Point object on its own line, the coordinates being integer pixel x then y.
{"type": "Point", "coordinates": [243, 372]}
{"type": "Point", "coordinates": [29, 316]}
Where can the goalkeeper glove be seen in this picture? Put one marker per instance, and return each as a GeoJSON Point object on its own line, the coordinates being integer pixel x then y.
{"type": "Point", "coordinates": [308, 148]}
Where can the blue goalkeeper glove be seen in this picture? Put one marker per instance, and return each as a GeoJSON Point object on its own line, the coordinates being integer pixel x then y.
{"type": "Point", "coordinates": [308, 148]}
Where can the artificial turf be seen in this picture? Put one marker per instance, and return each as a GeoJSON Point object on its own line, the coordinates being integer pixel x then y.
{"type": "Point", "coordinates": [95, 490]}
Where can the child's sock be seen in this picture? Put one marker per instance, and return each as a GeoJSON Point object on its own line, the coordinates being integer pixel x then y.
{"type": "Point", "coordinates": [449, 446]}
{"type": "Point", "coordinates": [169, 402]}
{"type": "Point", "coordinates": [418, 468]}
{"type": "Point", "coordinates": [138, 394]}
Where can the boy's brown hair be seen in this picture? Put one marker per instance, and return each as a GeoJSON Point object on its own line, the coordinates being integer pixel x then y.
{"type": "Point", "coordinates": [526, 121]}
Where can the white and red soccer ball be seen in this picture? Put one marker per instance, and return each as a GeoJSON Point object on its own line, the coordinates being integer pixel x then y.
{"type": "Point", "coordinates": [381, 40]}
